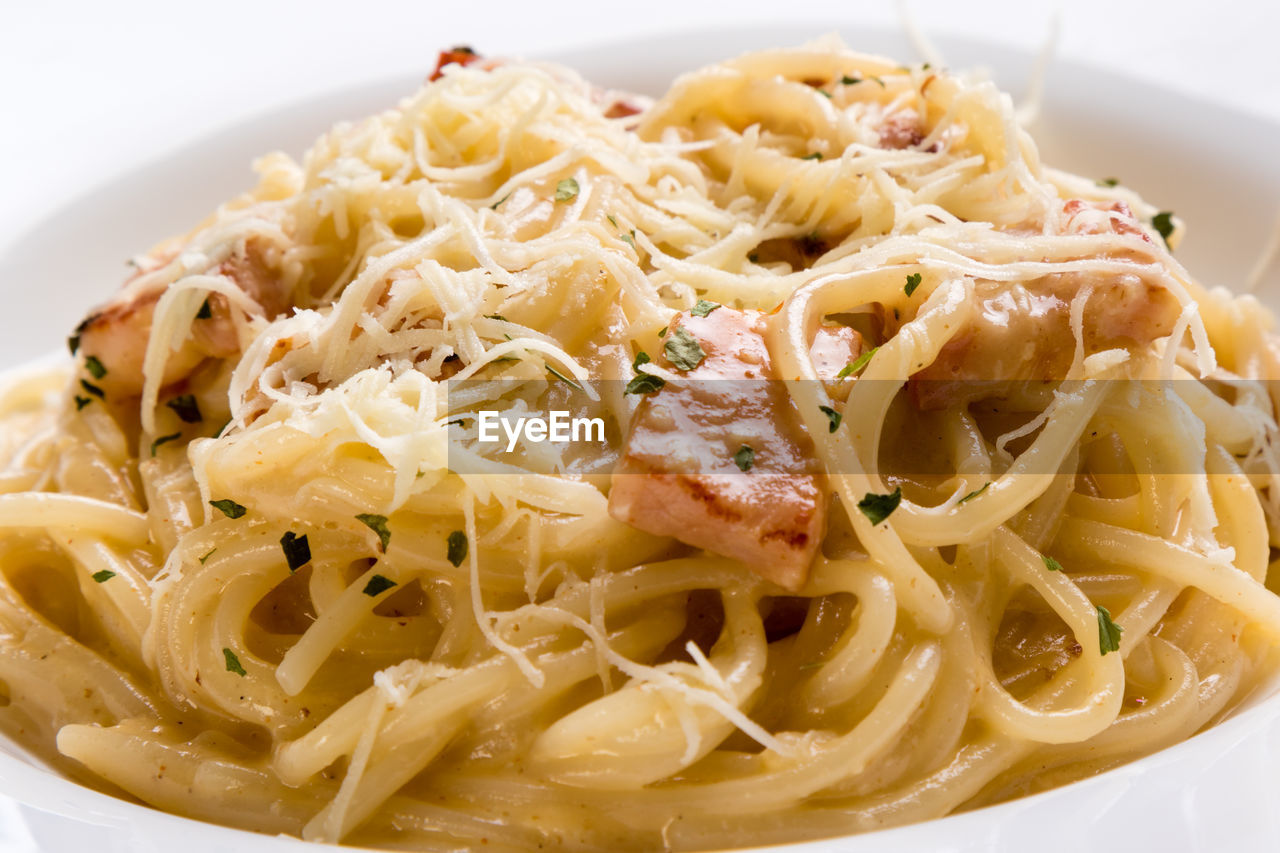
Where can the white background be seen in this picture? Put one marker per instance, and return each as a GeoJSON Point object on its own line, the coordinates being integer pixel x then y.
{"type": "Point", "coordinates": [88, 89]}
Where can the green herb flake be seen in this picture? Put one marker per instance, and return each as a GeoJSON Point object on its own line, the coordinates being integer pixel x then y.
{"type": "Point", "coordinates": [81, 402]}
{"type": "Point", "coordinates": [744, 458]}
{"type": "Point", "coordinates": [662, 333]}
{"type": "Point", "coordinates": [496, 317]}
{"type": "Point", "coordinates": [494, 206]}
{"type": "Point", "coordinates": [73, 343]}
{"type": "Point", "coordinates": [95, 367]}
{"type": "Point", "coordinates": [566, 189]}
{"type": "Point", "coordinates": [103, 576]}
{"type": "Point", "coordinates": [186, 408]}
{"type": "Point", "coordinates": [817, 155]}
{"type": "Point", "coordinates": [975, 493]}
{"type": "Point", "coordinates": [93, 389]}
{"type": "Point", "coordinates": [913, 281]}
{"type": "Point", "coordinates": [857, 365]}
{"type": "Point", "coordinates": [1163, 223]}
{"type": "Point", "coordinates": [1108, 632]}
{"type": "Point", "coordinates": [703, 308]}
{"type": "Point", "coordinates": [565, 379]}
{"type": "Point", "coordinates": [457, 547]}
{"type": "Point", "coordinates": [879, 507]}
{"type": "Point", "coordinates": [233, 663]}
{"type": "Point", "coordinates": [205, 312]}
{"type": "Point", "coordinates": [228, 507]}
{"type": "Point", "coordinates": [1108, 182]}
{"type": "Point", "coordinates": [164, 439]}
{"type": "Point", "coordinates": [378, 524]}
{"type": "Point", "coordinates": [1051, 564]}
{"type": "Point", "coordinates": [642, 357]}
{"type": "Point", "coordinates": [297, 550]}
{"type": "Point", "coordinates": [824, 93]}
{"type": "Point", "coordinates": [683, 350]}
{"type": "Point", "coordinates": [645, 383]}
{"type": "Point", "coordinates": [630, 238]}
{"type": "Point", "coordinates": [833, 418]}
{"type": "Point", "coordinates": [207, 555]}
{"type": "Point", "coordinates": [848, 80]}
{"type": "Point", "coordinates": [378, 585]}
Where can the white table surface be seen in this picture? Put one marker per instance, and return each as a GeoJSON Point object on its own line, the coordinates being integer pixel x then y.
{"type": "Point", "coordinates": [88, 89]}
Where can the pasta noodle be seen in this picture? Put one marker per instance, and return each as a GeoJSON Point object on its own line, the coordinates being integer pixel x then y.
{"type": "Point", "coordinates": [259, 566]}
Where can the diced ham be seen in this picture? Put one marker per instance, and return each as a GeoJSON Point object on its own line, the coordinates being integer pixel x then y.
{"type": "Point", "coordinates": [677, 476]}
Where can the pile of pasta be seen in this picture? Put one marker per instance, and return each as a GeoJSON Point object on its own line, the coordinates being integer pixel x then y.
{"type": "Point", "coordinates": [245, 578]}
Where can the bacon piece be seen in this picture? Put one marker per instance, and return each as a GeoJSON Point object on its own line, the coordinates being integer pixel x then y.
{"type": "Point", "coordinates": [901, 130]}
{"type": "Point", "coordinates": [833, 348]}
{"type": "Point", "coordinates": [117, 333]}
{"type": "Point", "coordinates": [677, 476]}
{"type": "Point", "coordinates": [1097, 217]}
{"type": "Point", "coordinates": [1023, 332]}
{"type": "Point", "coordinates": [458, 55]}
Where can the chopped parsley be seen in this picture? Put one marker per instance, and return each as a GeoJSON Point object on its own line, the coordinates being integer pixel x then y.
{"type": "Point", "coordinates": [703, 308]}
{"type": "Point", "coordinates": [207, 555]}
{"type": "Point", "coordinates": [378, 585]}
{"type": "Point", "coordinates": [93, 389]}
{"type": "Point", "coordinates": [81, 402]}
{"type": "Point", "coordinates": [566, 189]}
{"type": "Point", "coordinates": [913, 281]}
{"type": "Point", "coordinates": [228, 507]}
{"type": "Point", "coordinates": [1163, 223]}
{"type": "Point", "coordinates": [847, 80]}
{"type": "Point", "coordinates": [233, 663]}
{"type": "Point", "coordinates": [1108, 632]}
{"type": "Point", "coordinates": [497, 317]}
{"type": "Point", "coordinates": [683, 350]}
{"type": "Point", "coordinates": [744, 458]}
{"type": "Point", "coordinates": [630, 238]}
{"type": "Point", "coordinates": [494, 206]}
{"type": "Point", "coordinates": [205, 311]}
{"type": "Point", "coordinates": [857, 364]}
{"type": "Point", "coordinates": [975, 493]}
{"type": "Point", "coordinates": [297, 551]}
{"type": "Point", "coordinates": [833, 418]}
{"type": "Point", "coordinates": [164, 439]}
{"type": "Point", "coordinates": [642, 357]}
{"type": "Point", "coordinates": [73, 343]}
{"type": "Point", "coordinates": [565, 379]}
{"type": "Point", "coordinates": [662, 333]}
{"type": "Point", "coordinates": [613, 222]}
{"type": "Point", "coordinates": [817, 155]}
{"type": "Point", "coordinates": [879, 507]}
{"type": "Point", "coordinates": [1051, 564]}
{"type": "Point", "coordinates": [457, 547]}
{"type": "Point", "coordinates": [645, 383]}
{"type": "Point", "coordinates": [103, 576]}
{"type": "Point", "coordinates": [378, 524]}
{"type": "Point", "coordinates": [95, 367]}
{"type": "Point", "coordinates": [186, 408]}
{"type": "Point", "coordinates": [1108, 182]}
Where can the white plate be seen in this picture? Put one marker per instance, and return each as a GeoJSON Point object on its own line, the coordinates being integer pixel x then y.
{"type": "Point", "coordinates": [1216, 168]}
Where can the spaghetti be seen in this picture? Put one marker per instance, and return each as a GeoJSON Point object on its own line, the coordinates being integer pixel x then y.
{"type": "Point", "coordinates": [247, 577]}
